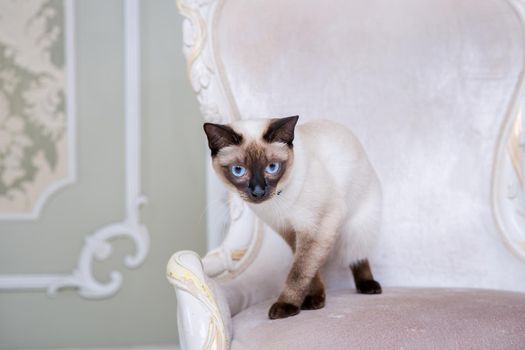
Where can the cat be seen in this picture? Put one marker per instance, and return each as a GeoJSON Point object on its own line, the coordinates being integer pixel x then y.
{"type": "Point", "coordinates": [313, 184]}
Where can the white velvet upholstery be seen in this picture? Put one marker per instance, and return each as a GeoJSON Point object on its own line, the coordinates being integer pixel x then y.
{"type": "Point", "coordinates": [397, 319]}
{"type": "Point", "coordinates": [425, 86]}
{"type": "Point", "coordinates": [429, 87]}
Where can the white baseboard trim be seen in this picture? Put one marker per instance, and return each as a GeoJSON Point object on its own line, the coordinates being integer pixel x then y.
{"type": "Point", "coordinates": [134, 347]}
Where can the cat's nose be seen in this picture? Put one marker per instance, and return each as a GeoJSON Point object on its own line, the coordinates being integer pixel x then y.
{"type": "Point", "coordinates": [258, 192]}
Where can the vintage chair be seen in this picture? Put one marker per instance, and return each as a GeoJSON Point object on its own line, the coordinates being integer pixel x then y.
{"type": "Point", "coordinates": [434, 91]}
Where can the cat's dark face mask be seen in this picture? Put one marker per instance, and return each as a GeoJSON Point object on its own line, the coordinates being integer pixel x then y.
{"type": "Point", "coordinates": [254, 167]}
{"type": "Point", "coordinates": [260, 175]}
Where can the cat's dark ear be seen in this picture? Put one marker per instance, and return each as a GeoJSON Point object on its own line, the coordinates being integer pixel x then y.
{"type": "Point", "coordinates": [220, 136]}
{"type": "Point", "coordinates": [281, 130]}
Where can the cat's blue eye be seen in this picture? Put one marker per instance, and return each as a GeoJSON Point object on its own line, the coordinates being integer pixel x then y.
{"type": "Point", "coordinates": [237, 170]}
{"type": "Point", "coordinates": [272, 168]}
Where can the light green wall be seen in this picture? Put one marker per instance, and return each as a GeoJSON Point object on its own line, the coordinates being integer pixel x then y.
{"type": "Point", "coordinates": [144, 310]}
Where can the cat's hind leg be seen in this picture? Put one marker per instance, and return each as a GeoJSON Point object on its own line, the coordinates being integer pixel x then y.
{"type": "Point", "coordinates": [364, 280]}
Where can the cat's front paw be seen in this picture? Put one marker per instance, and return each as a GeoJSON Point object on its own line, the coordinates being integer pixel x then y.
{"type": "Point", "coordinates": [369, 287]}
{"type": "Point", "coordinates": [313, 302]}
{"type": "Point", "coordinates": [282, 310]}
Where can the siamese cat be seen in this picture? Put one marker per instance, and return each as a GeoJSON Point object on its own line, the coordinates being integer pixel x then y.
{"type": "Point", "coordinates": [314, 185]}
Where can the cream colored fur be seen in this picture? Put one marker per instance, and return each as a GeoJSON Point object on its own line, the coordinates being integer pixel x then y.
{"type": "Point", "coordinates": [326, 203]}
{"type": "Point", "coordinates": [332, 193]}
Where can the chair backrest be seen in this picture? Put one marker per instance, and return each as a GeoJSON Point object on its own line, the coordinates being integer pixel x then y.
{"type": "Point", "coordinates": [431, 88]}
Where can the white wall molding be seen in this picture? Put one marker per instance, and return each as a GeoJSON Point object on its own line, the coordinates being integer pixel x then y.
{"type": "Point", "coordinates": [97, 246]}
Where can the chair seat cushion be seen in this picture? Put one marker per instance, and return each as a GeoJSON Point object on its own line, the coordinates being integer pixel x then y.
{"type": "Point", "coordinates": [407, 318]}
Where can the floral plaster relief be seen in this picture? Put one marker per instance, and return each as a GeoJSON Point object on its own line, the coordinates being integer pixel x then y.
{"type": "Point", "coordinates": [34, 135]}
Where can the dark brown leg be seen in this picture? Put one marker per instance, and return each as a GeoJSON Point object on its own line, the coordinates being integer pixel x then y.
{"type": "Point", "coordinates": [315, 298]}
{"type": "Point", "coordinates": [364, 280]}
{"type": "Point", "coordinates": [282, 309]}
{"type": "Point", "coordinates": [308, 259]}
{"type": "Point", "coordinates": [311, 251]}
{"type": "Point", "coordinates": [289, 237]}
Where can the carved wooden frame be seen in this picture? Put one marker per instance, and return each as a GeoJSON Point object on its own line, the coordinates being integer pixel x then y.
{"type": "Point", "coordinates": [508, 181]}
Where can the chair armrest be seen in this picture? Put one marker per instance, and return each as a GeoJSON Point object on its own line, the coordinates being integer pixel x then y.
{"type": "Point", "coordinates": [203, 316]}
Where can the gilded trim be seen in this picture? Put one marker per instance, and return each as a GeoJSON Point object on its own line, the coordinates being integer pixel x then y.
{"type": "Point", "coordinates": [185, 279]}
{"type": "Point", "coordinates": [506, 207]}
{"type": "Point", "coordinates": [515, 152]}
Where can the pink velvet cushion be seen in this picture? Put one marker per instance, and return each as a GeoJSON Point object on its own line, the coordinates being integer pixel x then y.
{"type": "Point", "coordinates": [399, 318]}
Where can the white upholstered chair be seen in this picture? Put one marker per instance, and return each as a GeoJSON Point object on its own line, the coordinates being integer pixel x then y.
{"type": "Point", "coordinates": [434, 91]}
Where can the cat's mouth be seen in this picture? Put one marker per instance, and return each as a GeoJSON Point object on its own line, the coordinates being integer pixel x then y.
{"type": "Point", "coordinates": [257, 198]}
